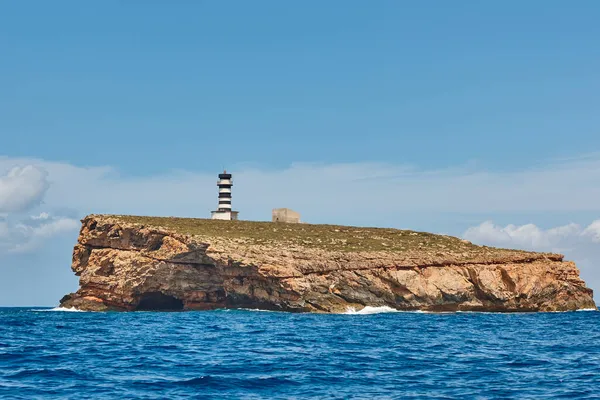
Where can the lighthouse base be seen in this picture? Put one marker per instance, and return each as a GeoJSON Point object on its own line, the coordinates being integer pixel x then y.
{"type": "Point", "coordinates": [225, 215]}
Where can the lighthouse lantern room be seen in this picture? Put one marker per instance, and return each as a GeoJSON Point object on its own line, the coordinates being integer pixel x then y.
{"type": "Point", "coordinates": [224, 210]}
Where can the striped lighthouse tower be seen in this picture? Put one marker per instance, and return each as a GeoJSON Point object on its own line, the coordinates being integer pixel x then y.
{"type": "Point", "coordinates": [224, 211]}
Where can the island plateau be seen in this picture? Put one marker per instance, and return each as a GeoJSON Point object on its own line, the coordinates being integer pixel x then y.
{"type": "Point", "coordinates": [130, 263]}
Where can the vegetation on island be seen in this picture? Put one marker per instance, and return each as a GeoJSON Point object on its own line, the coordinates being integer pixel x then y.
{"type": "Point", "coordinates": [319, 236]}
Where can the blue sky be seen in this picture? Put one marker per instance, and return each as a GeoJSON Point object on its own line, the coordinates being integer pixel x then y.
{"type": "Point", "coordinates": [456, 113]}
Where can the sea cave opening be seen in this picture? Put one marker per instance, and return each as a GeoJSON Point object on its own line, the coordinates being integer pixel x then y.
{"type": "Point", "coordinates": [157, 301]}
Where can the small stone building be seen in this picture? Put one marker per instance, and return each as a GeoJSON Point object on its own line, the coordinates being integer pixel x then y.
{"type": "Point", "coordinates": [286, 215]}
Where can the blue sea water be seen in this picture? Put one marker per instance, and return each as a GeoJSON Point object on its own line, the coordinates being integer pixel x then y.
{"type": "Point", "coordinates": [269, 355]}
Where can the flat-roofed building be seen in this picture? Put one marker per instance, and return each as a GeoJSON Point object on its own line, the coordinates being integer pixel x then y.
{"type": "Point", "coordinates": [286, 215]}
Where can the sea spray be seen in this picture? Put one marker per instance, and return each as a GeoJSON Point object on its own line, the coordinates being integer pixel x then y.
{"type": "Point", "coordinates": [367, 310]}
{"type": "Point", "coordinates": [60, 309]}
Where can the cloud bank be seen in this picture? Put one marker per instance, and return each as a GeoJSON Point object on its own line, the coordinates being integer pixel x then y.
{"type": "Point", "coordinates": [322, 192]}
{"type": "Point", "coordinates": [29, 235]}
{"type": "Point", "coordinates": [578, 243]}
{"type": "Point", "coordinates": [531, 237]}
{"type": "Point", "coordinates": [22, 188]}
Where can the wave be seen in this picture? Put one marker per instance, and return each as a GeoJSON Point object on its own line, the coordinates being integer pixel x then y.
{"type": "Point", "coordinates": [243, 309]}
{"type": "Point", "coordinates": [61, 373]}
{"type": "Point", "coordinates": [367, 310]}
{"type": "Point", "coordinates": [62, 309]}
{"type": "Point", "coordinates": [214, 382]}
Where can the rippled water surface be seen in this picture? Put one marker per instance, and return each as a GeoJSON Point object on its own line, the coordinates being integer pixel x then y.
{"type": "Point", "coordinates": [246, 354]}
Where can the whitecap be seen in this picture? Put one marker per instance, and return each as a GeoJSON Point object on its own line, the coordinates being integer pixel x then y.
{"type": "Point", "coordinates": [587, 309]}
{"type": "Point", "coordinates": [367, 310]}
{"type": "Point", "coordinates": [63, 309]}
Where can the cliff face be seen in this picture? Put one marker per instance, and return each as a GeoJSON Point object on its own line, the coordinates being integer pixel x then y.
{"type": "Point", "coordinates": [137, 263]}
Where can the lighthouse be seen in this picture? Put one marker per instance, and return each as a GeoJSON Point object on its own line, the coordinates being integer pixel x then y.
{"type": "Point", "coordinates": [224, 210]}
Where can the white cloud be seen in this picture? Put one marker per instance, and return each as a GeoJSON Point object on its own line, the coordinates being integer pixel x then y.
{"type": "Point", "coordinates": [48, 229]}
{"type": "Point", "coordinates": [22, 237]}
{"type": "Point", "coordinates": [22, 188]}
{"type": "Point", "coordinates": [593, 231]}
{"type": "Point", "coordinates": [324, 192]}
{"type": "Point", "coordinates": [577, 243]}
{"type": "Point", "coordinates": [4, 230]}
{"type": "Point", "coordinates": [527, 236]}
{"type": "Point", "coordinates": [43, 215]}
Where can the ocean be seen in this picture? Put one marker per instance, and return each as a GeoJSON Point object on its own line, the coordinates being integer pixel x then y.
{"type": "Point", "coordinates": [244, 354]}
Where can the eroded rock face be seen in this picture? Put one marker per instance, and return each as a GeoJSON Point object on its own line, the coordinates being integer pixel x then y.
{"type": "Point", "coordinates": [128, 266]}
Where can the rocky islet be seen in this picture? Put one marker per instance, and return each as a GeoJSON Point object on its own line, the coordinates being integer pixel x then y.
{"type": "Point", "coordinates": [128, 263]}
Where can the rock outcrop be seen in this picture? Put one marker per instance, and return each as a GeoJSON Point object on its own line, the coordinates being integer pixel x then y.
{"type": "Point", "coordinates": [142, 263]}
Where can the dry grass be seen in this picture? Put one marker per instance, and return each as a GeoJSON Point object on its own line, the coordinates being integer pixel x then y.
{"type": "Point", "coordinates": [326, 237]}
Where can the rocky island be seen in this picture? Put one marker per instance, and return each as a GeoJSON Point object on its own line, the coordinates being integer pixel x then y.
{"type": "Point", "coordinates": [128, 263]}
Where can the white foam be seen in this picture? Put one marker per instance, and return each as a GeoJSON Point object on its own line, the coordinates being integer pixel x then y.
{"type": "Point", "coordinates": [587, 309]}
{"type": "Point", "coordinates": [62, 309]}
{"type": "Point", "coordinates": [367, 310]}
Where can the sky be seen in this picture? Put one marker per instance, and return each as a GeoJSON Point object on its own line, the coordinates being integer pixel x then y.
{"type": "Point", "coordinates": [475, 119]}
